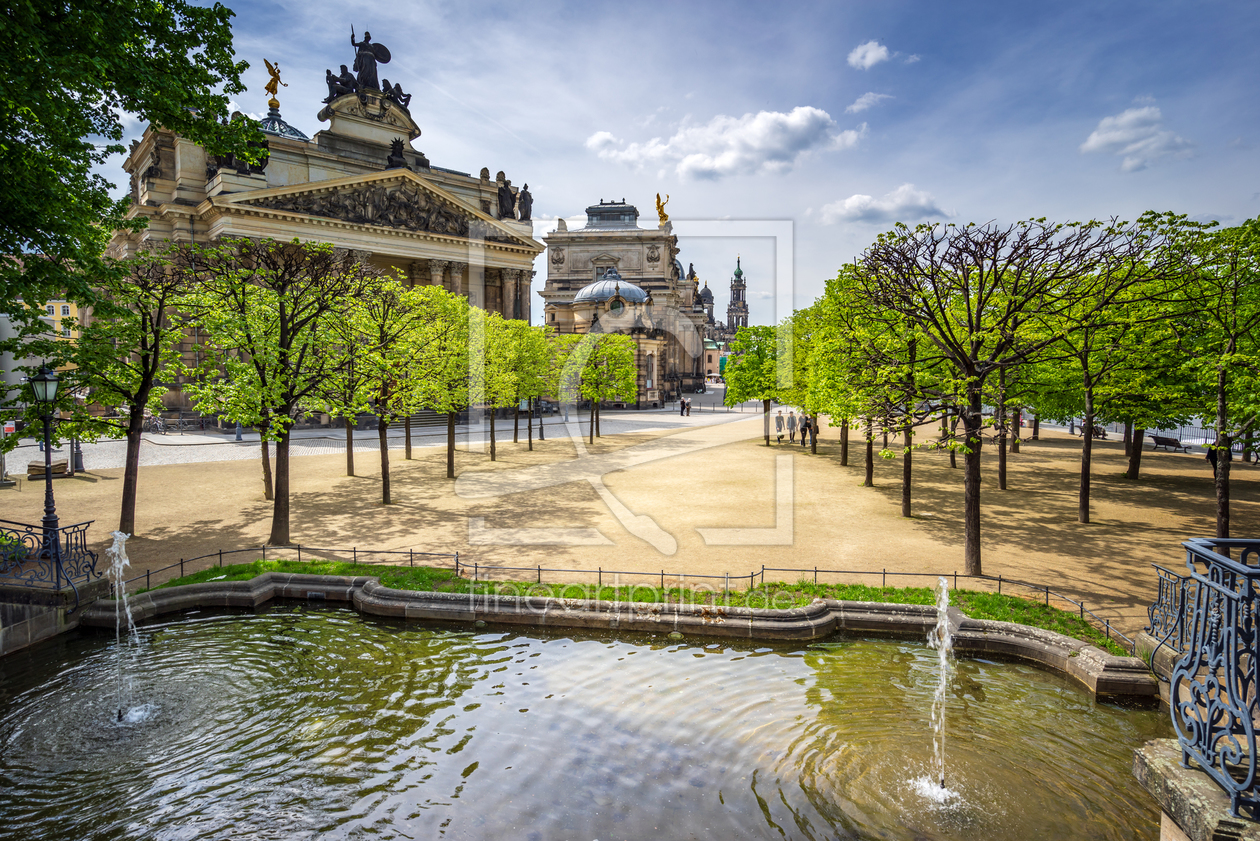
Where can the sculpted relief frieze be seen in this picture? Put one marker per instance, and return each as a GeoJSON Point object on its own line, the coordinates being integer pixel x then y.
{"type": "Point", "coordinates": [400, 207]}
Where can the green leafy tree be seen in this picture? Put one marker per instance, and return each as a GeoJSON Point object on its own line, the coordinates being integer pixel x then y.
{"type": "Point", "coordinates": [123, 359]}
{"type": "Point", "coordinates": [603, 367]}
{"type": "Point", "coordinates": [264, 308]}
{"type": "Point", "coordinates": [752, 370]}
{"type": "Point", "coordinates": [72, 72]}
{"type": "Point", "coordinates": [1222, 341]}
{"type": "Point", "coordinates": [972, 291]}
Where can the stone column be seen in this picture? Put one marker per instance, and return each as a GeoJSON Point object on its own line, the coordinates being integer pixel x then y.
{"type": "Point", "coordinates": [437, 272]}
{"type": "Point", "coordinates": [507, 293]}
{"type": "Point", "coordinates": [415, 273]}
{"type": "Point", "coordinates": [508, 279]}
{"type": "Point", "coordinates": [458, 286]}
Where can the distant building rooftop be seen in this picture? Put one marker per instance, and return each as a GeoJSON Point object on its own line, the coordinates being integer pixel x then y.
{"type": "Point", "coordinates": [613, 214]}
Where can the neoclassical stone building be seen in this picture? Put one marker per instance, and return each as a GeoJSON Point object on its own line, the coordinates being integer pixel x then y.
{"type": "Point", "coordinates": [614, 276]}
{"type": "Point", "coordinates": [358, 184]}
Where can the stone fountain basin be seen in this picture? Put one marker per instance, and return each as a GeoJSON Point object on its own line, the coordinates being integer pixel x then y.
{"type": "Point", "coordinates": [1103, 674]}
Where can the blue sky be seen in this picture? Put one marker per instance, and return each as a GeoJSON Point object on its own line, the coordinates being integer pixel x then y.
{"type": "Point", "coordinates": [842, 117]}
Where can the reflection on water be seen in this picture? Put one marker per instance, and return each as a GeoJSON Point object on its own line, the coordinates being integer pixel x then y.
{"type": "Point", "coordinates": [301, 723]}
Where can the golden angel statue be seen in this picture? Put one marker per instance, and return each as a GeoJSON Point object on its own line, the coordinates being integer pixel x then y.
{"type": "Point", "coordinates": [660, 208]}
{"type": "Point", "coordinates": [273, 86]}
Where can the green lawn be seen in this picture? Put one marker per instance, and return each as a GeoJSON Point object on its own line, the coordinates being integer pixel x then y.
{"type": "Point", "coordinates": [780, 595]}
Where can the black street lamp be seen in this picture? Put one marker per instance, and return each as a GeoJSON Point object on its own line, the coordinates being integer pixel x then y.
{"type": "Point", "coordinates": [44, 385]}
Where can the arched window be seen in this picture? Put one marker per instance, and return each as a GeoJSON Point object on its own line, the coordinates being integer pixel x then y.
{"type": "Point", "coordinates": [651, 369]}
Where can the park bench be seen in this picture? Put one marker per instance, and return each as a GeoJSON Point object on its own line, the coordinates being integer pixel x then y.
{"type": "Point", "coordinates": [1167, 443]}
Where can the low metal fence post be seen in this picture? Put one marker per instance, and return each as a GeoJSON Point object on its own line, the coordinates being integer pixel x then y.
{"type": "Point", "coordinates": [540, 573]}
{"type": "Point", "coordinates": [181, 567]}
{"type": "Point", "coordinates": [411, 555]}
{"type": "Point", "coordinates": [601, 579]}
{"type": "Point", "coordinates": [146, 579]}
{"type": "Point", "coordinates": [883, 579]}
{"type": "Point", "coordinates": [355, 554]}
{"type": "Point", "coordinates": [299, 553]}
{"type": "Point", "coordinates": [815, 576]}
{"type": "Point", "coordinates": [955, 580]}
{"type": "Point", "coordinates": [662, 581]}
{"type": "Point", "coordinates": [999, 584]}
{"type": "Point", "coordinates": [1047, 596]}
{"type": "Point", "coordinates": [264, 551]}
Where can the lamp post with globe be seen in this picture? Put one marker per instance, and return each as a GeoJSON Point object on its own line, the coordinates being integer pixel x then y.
{"type": "Point", "coordinates": [44, 388]}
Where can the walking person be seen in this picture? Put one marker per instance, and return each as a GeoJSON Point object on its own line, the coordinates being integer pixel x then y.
{"type": "Point", "coordinates": [682, 406]}
{"type": "Point", "coordinates": [688, 407]}
{"type": "Point", "coordinates": [805, 429]}
{"type": "Point", "coordinates": [791, 425]}
{"type": "Point", "coordinates": [778, 425]}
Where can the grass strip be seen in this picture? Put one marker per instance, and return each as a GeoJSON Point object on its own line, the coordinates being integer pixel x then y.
{"type": "Point", "coordinates": [772, 594]}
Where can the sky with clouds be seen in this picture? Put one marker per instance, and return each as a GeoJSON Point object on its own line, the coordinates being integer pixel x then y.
{"type": "Point", "coordinates": [842, 118]}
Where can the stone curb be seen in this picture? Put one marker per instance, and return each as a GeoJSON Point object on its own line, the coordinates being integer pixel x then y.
{"type": "Point", "coordinates": [1099, 672]}
{"type": "Point", "coordinates": [1188, 797]}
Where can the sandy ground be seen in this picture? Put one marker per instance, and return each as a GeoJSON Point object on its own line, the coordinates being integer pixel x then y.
{"type": "Point", "coordinates": [704, 499]}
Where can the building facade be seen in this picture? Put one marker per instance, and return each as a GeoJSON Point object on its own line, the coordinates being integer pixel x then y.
{"type": "Point", "coordinates": [359, 184]}
{"type": "Point", "coordinates": [614, 276]}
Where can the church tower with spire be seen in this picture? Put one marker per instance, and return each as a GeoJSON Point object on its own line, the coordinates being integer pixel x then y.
{"type": "Point", "coordinates": [737, 312]}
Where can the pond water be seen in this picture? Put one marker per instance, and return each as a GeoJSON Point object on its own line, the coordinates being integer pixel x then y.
{"type": "Point", "coordinates": [301, 722]}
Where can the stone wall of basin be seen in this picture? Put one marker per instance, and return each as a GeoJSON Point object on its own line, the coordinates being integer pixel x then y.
{"type": "Point", "coordinates": [1101, 673]}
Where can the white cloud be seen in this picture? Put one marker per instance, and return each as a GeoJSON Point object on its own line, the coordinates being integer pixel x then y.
{"type": "Point", "coordinates": [865, 101]}
{"type": "Point", "coordinates": [865, 56]}
{"type": "Point", "coordinates": [765, 142]}
{"type": "Point", "coordinates": [904, 204]}
{"type": "Point", "coordinates": [1138, 134]}
{"type": "Point", "coordinates": [912, 59]}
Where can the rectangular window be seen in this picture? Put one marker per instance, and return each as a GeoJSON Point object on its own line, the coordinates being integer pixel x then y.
{"type": "Point", "coordinates": [65, 309]}
{"type": "Point", "coordinates": [553, 316]}
{"type": "Point", "coordinates": [50, 309]}
{"type": "Point", "coordinates": [65, 331]}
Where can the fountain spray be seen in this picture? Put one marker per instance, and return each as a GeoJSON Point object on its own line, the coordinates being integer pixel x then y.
{"type": "Point", "coordinates": [940, 639]}
{"type": "Point", "coordinates": [118, 563]}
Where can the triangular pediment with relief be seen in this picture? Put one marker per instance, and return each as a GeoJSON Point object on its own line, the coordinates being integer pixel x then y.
{"type": "Point", "coordinates": [397, 199]}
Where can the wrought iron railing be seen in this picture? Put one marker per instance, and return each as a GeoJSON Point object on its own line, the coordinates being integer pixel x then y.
{"type": "Point", "coordinates": [1212, 692]}
{"type": "Point", "coordinates": [31, 557]}
{"type": "Point", "coordinates": [1172, 610]}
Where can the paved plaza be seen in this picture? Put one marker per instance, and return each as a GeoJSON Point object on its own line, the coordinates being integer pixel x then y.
{"type": "Point", "coordinates": [700, 495]}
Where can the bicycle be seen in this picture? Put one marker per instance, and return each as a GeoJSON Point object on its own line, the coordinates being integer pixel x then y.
{"type": "Point", "coordinates": [154, 423]}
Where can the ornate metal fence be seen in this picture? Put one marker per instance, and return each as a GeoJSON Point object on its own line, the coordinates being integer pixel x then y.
{"type": "Point", "coordinates": [29, 557]}
{"type": "Point", "coordinates": [1212, 694]}
{"type": "Point", "coordinates": [1172, 610]}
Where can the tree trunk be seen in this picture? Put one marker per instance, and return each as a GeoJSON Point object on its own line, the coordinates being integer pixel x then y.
{"type": "Point", "coordinates": [266, 465]}
{"type": "Point", "coordinates": [516, 423]}
{"type": "Point", "coordinates": [813, 436]}
{"type": "Point", "coordinates": [450, 445]}
{"type": "Point", "coordinates": [382, 433]}
{"type": "Point", "coordinates": [1087, 450]}
{"type": "Point", "coordinates": [349, 423]}
{"type": "Point", "coordinates": [541, 435]}
{"type": "Point", "coordinates": [1001, 429]}
{"type": "Point", "coordinates": [869, 481]}
{"type": "Point", "coordinates": [1016, 416]}
{"type": "Point", "coordinates": [885, 445]}
{"type": "Point", "coordinates": [591, 432]}
{"type": "Point", "coordinates": [529, 424]}
{"type": "Point", "coordinates": [766, 411]}
{"type": "Point", "coordinates": [131, 472]}
{"type": "Point", "coordinates": [1128, 437]}
{"type": "Point", "coordinates": [493, 412]}
{"type": "Point", "coordinates": [953, 433]}
{"type": "Point", "coordinates": [971, 484]}
{"type": "Point", "coordinates": [1249, 441]}
{"type": "Point", "coordinates": [598, 412]}
{"type": "Point", "coordinates": [1036, 432]}
{"type": "Point", "coordinates": [1135, 454]}
{"type": "Point", "coordinates": [407, 437]}
{"type": "Point", "coordinates": [906, 459]}
{"type": "Point", "coordinates": [844, 443]}
{"type": "Point", "coordinates": [280, 515]}
{"type": "Point", "coordinates": [1222, 455]}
